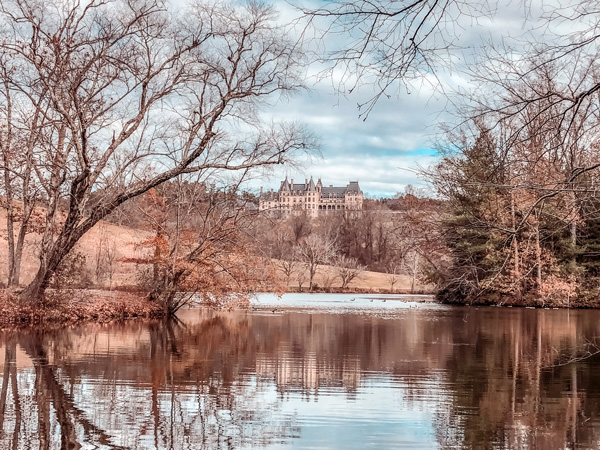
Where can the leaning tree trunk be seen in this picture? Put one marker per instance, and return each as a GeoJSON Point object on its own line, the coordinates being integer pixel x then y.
{"type": "Point", "coordinates": [52, 254]}
{"type": "Point", "coordinates": [34, 292]}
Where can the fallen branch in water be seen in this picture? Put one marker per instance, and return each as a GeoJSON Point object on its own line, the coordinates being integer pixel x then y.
{"type": "Point", "coordinates": [590, 349]}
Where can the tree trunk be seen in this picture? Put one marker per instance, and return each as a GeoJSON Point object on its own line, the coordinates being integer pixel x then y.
{"type": "Point", "coordinates": [6, 147]}
{"type": "Point", "coordinates": [573, 230]}
{"type": "Point", "coordinates": [52, 253]}
{"type": "Point", "coordinates": [515, 245]}
{"type": "Point", "coordinates": [517, 269]}
{"type": "Point", "coordinates": [414, 273]}
{"type": "Point", "coordinates": [538, 256]}
{"type": "Point", "coordinates": [10, 231]}
{"type": "Point", "coordinates": [34, 292]}
{"type": "Point", "coordinates": [10, 223]}
{"type": "Point", "coordinates": [18, 256]}
{"type": "Point", "coordinates": [15, 248]}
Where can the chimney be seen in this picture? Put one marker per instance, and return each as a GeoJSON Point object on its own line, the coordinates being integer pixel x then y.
{"type": "Point", "coordinates": [261, 190]}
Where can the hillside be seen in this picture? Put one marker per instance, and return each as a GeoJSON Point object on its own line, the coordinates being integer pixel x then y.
{"type": "Point", "coordinates": [326, 277]}
{"type": "Point", "coordinates": [124, 240]}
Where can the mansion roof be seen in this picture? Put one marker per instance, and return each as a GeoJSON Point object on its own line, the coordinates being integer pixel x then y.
{"type": "Point", "coordinates": [314, 198]}
{"type": "Point", "coordinates": [310, 186]}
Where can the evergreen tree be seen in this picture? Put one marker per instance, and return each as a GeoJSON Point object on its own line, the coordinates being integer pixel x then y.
{"type": "Point", "coordinates": [472, 183]}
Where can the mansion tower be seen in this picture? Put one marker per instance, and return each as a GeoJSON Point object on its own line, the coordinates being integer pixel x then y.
{"type": "Point", "coordinates": [313, 198]}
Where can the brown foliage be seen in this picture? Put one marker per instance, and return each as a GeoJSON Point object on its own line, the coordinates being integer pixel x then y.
{"type": "Point", "coordinates": [75, 305]}
{"type": "Point", "coordinates": [200, 251]}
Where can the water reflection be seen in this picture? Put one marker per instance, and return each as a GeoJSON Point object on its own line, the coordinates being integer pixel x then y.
{"type": "Point", "coordinates": [429, 377]}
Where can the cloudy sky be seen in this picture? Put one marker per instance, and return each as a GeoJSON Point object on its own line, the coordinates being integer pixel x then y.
{"type": "Point", "coordinates": [381, 152]}
{"type": "Point", "coordinates": [384, 151]}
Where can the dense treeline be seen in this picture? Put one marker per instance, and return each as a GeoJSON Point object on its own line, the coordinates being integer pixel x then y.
{"type": "Point", "coordinates": [516, 231]}
{"type": "Point", "coordinates": [397, 236]}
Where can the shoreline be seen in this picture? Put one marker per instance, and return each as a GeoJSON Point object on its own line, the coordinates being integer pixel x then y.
{"type": "Point", "coordinates": [71, 306]}
{"type": "Point", "coordinates": [354, 290]}
{"type": "Point", "coordinates": [74, 306]}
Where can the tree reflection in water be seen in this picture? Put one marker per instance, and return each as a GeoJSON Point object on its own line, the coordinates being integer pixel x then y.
{"type": "Point", "coordinates": [150, 397]}
{"type": "Point", "coordinates": [490, 378]}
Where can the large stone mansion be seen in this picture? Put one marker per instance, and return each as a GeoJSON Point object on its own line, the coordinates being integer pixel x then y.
{"type": "Point", "coordinates": [313, 198]}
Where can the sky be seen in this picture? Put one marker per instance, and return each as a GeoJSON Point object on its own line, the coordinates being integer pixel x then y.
{"type": "Point", "coordinates": [382, 152]}
{"type": "Point", "coordinates": [385, 151]}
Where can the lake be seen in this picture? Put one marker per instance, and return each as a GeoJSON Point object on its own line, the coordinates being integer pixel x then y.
{"type": "Point", "coordinates": [322, 371]}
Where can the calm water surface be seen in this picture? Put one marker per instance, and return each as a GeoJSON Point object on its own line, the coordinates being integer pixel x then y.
{"type": "Point", "coordinates": [309, 372]}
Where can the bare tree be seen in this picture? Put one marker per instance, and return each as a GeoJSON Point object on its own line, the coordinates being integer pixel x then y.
{"type": "Point", "coordinates": [313, 251]}
{"type": "Point", "coordinates": [287, 265]}
{"type": "Point", "coordinates": [19, 137]}
{"type": "Point", "coordinates": [301, 278]}
{"type": "Point", "coordinates": [388, 44]}
{"type": "Point", "coordinates": [412, 263]}
{"type": "Point", "coordinates": [135, 98]}
{"type": "Point", "coordinates": [105, 255]}
{"type": "Point", "coordinates": [111, 259]}
{"type": "Point", "coordinates": [392, 275]}
{"type": "Point", "coordinates": [206, 254]}
{"type": "Point", "coordinates": [348, 269]}
{"type": "Point", "coordinates": [99, 263]}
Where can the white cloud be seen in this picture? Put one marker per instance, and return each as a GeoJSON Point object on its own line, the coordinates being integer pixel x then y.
{"type": "Point", "coordinates": [396, 132]}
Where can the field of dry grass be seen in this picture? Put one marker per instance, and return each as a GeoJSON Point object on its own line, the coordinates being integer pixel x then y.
{"type": "Point", "coordinates": [125, 239]}
{"type": "Point", "coordinates": [327, 278]}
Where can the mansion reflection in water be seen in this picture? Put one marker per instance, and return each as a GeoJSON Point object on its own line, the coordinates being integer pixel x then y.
{"type": "Point", "coordinates": [487, 378]}
{"type": "Point", "coordinates": [308, 375]}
